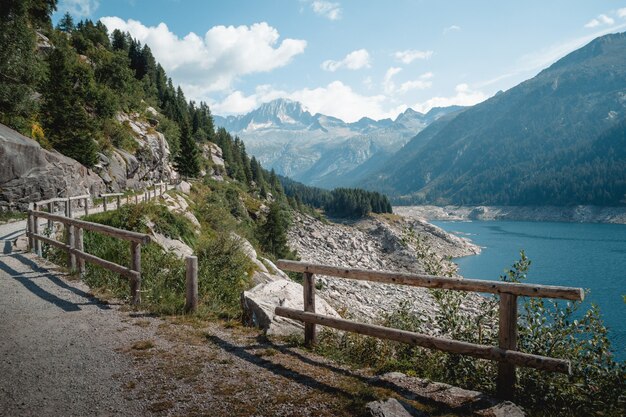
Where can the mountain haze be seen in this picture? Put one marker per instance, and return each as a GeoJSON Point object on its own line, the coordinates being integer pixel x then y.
{"type": "Point", "coordinates": [556, 139]}
{"type": "Point", "coordinates": [323, 150]}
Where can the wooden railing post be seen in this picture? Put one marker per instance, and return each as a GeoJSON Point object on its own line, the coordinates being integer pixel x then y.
{"type": "Point", "coordinates": [119, 202]}
{"type": "Point", "coordinates": [71, 258]}
{"type": "Point", "coordinates": [31, 227]}
{"type": "Point", "coordinates": [36, 231]}
{"type": "Point", "coordinates": [309, 306]}
{"type": "Point", "coordinates": [104, 201]}
{"type": "Point", "coordinates": [69, 208]}
{"type": "Point", "coordinates": [191, 284]}
{"type": "Point", "coordinates": [136, 199]}
{"type": "Point", "coordinates": [50, 210]}
{"type": "Point", "coordinates": [78, 244]}
{"type": "Point", "coordinates": [86, 206]}
{"type": "Point", "coordinates": [161, 188]}
{"type": "Point", "coordinates": [507, 338]}
{"type": "Point", "coordinates": [135, 283]}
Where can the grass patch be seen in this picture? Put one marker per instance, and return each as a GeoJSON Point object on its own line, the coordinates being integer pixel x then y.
{"type": "Point", "coordinates": [10, 215]}
{"type": "Point", "coordinates": [143, 345]}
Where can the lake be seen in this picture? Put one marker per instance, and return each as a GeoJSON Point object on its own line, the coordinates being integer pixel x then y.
{"type": "Point", "coordinates": [587, 255]}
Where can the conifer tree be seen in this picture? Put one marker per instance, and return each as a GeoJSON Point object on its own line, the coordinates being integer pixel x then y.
{"type": "Point", "coordinates": [66, 122]}
{"type": "Point", "coordinates": [273, 233]}
{"type": "Point", "coordinates": [66, 24]}
{"type": "Point", "coordinates": [187, 163]}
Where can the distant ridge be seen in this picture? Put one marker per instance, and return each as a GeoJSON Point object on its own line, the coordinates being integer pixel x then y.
{"type": "Point", "coordinates": [556, 139]}
{"type": "Point", "coordinates": [322, 150]}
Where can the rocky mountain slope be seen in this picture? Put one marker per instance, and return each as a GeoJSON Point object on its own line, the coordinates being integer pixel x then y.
{"type": "Point", "coordinates": [556, 139]}
{"type": "Point", "coordinates": [323, 150]}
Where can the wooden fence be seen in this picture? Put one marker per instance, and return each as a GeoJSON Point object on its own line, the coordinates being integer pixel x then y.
{"type": "Point", "coordinates": [74, 244]}
{"type": "Point", "coordinates": [505, 353]}
{"type": "Point", "coordinates": [75, 249]}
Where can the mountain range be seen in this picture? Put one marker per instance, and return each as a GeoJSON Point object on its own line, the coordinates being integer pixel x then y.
{"type": "Point", "coordinates": [556, 139]}
{"type": "Point", "coordinates": [322, 150]}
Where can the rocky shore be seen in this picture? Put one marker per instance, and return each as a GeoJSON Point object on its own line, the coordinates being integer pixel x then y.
{"type": "Point", "coordinates": [574, 214]}
{"type": "Point", "coordinates": [374, 243]}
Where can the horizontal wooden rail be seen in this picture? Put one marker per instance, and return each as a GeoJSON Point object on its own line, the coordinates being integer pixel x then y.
{"type": "Point", "coordinates": [431, 281]}
{"type": "Point", "coordinates": [122, 270]}
{"type": "Point", "coordinates": [447, 345]}
{"type": "Point", "coordinates": [112, 195]}
{"type": "Point", "coordinates": [79, 197]}
{"type": "Point", "coordinates": [96, 227]}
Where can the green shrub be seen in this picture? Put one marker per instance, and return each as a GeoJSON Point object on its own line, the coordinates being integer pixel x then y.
{"type": "Point", "coordinates": [223, 274]}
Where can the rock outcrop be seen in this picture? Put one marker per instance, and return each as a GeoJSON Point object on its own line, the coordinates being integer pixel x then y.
{"type": "Point", "coordinates": [392, 408]}
{"type": "Point", "coordinates": [259, 304]}
{"type": "Point", "coordinates": [151, 162]}
{"type": "Point", "coordinates": [376, 244]}
{"type": "Point", "coordinates": [30, 173]}
{"type": "Point", "coordinates": [465, 402]}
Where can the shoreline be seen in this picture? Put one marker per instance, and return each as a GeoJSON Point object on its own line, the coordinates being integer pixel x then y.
{"type": "Point", "coordinates": [574, 214]}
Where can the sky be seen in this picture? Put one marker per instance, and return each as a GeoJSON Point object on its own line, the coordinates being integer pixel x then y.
{"type": "Point", "coordinates": [357, 58]}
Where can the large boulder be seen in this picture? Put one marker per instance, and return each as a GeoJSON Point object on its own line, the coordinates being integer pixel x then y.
{"type": "Point", "coordinates": [259, 304]}
{"type": "Point", "coordinates": [30, 173]}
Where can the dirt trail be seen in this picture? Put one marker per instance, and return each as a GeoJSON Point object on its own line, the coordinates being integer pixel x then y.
{"type": "Point", "coordinates": [57, 350]}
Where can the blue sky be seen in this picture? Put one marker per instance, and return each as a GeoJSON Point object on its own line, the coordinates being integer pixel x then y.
{"type": "Point", "coordinates": [351, 59]}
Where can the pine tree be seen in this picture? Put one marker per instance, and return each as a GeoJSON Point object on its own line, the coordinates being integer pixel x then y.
{"type": "Point", "coordinates": [66, 122]}
{"type": "Point", "coordinates": [66, 24]}
{"type": "Point", "coordinates": [273, 233]}
{"type": "Point", "coordinates": [19, 69]}
{"type": "Point", "coordinates": [187, 162]}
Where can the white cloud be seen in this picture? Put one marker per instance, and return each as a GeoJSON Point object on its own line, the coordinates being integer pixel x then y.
{"type": "Point", "coordinates": [336, 99]}
{"type": "Point", "coordinates": [79, 8]}
{"type": "Point", "coordinates": [621, 12]}
{"type": "Point", "coordinates": [411, 55]}
{"type": "Point", "coordinates": [327, 9]}
{"type": "Point", "coordinates": [600, 21]}
{"type": "Point", "coordinates": [354, 60]}
{"type": "Point", "coordinates": [464, 96]}
{"type": "Point", "coordinates": [453, 28]}
{"type": "Point", "coordinates": [213, 62]}
{"type": "Point", "coordinates": [389, 86]}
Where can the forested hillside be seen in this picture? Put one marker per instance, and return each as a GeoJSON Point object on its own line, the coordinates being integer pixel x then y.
{"type": "Point", "coordinates": [556, 139]}
{"type": "Point", "coordinates": [340, 202]}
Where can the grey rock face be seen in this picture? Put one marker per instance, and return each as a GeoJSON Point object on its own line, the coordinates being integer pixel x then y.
{"type": "Point", "coordinates": [392, 408]}
{"type": "Point", "coordinates": [259, 304]}
{"type": "Point", "coordinates": [30, 173]}
{"type": "Point", "coordinates": [151, 162]}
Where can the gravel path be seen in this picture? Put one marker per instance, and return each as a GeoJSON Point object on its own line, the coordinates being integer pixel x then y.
{"type": "Point", "coordinates": [58, 346]}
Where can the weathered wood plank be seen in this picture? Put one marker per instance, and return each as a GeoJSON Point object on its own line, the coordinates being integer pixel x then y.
{"type": "Point", "coordinates": [309, 306]}
{"type": "Point", "coordinates": [96, 227]}
{"type": "Point", "coordinates": [431, 342]}
{"type": "Point", "coordinates": [111, 266]}
{"type": "Point", "coordinates": [430, 281]}
{"type": "Point", "coordinates": [191, 284]}
{"type": "Point", "coordinates": [135, 265]}
{"type": "Point", "coordinates": [507, 339]}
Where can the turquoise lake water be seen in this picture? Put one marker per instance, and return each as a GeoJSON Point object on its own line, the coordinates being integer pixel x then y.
{"type": "Point", "coordinates": [591, 256]}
